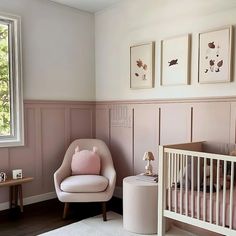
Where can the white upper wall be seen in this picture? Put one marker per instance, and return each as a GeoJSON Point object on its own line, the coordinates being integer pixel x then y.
{"type": "Point", "coordinates": [137, 21]}
{"type": "Point", "coordinates": [58, 50]}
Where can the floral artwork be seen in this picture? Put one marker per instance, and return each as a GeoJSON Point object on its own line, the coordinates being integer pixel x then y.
{"type": "Point", "coordinates": [215, 56]}
{"type": "Point", "coordinates": [141, 66]}
{"type": "Point", "coordinates": [175, 60]}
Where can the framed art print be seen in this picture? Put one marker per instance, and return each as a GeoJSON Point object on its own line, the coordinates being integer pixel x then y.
{"type": "Point", "coordinates": [214, 57]}
{"type": "Point", "coordinates": [142, 66]}
{"type": "Point", "coordinates": [175, 60]}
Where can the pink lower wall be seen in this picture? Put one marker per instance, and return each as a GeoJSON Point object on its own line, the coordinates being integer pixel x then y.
{"type": "Point", "coordinates": [49, 128]}
{"type": "Point", "coordinates": [131, 128]}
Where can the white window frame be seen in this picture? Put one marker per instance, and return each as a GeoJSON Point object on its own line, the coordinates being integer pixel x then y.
{"type": "Point", "coordinates": [17, 112]}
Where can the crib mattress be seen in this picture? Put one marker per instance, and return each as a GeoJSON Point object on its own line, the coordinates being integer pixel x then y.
{"type": "Point", "coordinates": [176, 205]}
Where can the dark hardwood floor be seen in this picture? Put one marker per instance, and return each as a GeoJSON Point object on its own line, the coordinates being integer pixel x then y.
{"type": "Point", "coordinates": [45, 216]}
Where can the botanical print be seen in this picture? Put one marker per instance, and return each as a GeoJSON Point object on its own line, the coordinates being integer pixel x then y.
{"type": "Point", "coordinates": [175, 59]}
{"type": "Point", "coordinates": [173, 62]}
{"type": "Point", "coordinates": [141, 66]}
{"type": "Point", "coordinates": [214, 56]}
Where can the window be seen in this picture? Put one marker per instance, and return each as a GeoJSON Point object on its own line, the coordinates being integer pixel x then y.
{"type": "Point", "coordinates": [11, 100]}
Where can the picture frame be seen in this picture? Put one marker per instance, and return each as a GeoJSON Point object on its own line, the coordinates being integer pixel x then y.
{"type": "Point", "coordinates": [175, 60]}
{"type": "Point", "coordinates": [142, 65]}
{"type": "Point", "coordinates": [215, 55]}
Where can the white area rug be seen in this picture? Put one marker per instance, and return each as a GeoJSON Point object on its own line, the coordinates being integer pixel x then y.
{"type": "Point", "coordinates": [95, 226]}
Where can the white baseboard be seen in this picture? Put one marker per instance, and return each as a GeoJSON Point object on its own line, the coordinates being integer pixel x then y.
{"type": "Point", "coordinates": [118, 192]}
{"type": "Point", "coordinates": [31, 200]}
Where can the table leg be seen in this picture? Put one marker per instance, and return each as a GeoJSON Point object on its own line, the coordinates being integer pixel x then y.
{"type": "Point", "coordinates": [16, 195]}
{"type": "Point", "coordinates": [10, 197]}
{"type": "Point", "coordinates": [20, 197]}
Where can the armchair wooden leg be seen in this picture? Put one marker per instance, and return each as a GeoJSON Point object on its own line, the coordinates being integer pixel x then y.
{"type": "Point", "coordinates": [104, 211]}
{"type": "Point", "coordinates": [66, 207]}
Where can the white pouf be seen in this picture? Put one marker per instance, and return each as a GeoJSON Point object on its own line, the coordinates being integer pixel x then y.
{"type": "Point", "coordinates": [139, 206]}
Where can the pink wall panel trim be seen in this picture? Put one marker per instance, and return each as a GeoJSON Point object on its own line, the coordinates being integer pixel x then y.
{"type": "Point", "coordinates": [146, 135]}
{"type": "Point", "coordinates": [53, 143]}
{"type": "Point", "coordinates": [138, 126]}
{"type": "Point", "coordinates": [121, 140]}
{"type": "Point", "coordinates": [81, 120]}
{"type": "Point", "coordinates": [102, 124]}
{"type": "Point", "coordinates": [129, 128]}
{"type": "Point", "coordinates": [211, 122]}
{"type": "Point", "coordinates": [49, 126]}
{"type": "Point", "coordinates": [175, 123]}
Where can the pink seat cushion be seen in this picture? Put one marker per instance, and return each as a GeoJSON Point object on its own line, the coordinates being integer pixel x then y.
{"type": "Point", "coordinates": [84, 184]}
{"type": "Point", "coordinates": [85, 162]}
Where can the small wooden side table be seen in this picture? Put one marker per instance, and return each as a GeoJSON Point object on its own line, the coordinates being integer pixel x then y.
{"type": "Point", "coordinates": [15, 188]}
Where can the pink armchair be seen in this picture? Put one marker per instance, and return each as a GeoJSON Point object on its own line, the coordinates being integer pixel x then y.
{"type": "Point", "coordinates": [85, 186]}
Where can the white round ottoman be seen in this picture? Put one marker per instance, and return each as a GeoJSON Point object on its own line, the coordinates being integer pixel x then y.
{"type": "Point", "coordinates": [139, 206]}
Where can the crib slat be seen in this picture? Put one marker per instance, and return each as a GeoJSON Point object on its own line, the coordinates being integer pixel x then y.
{"type": "Point", "coordinates": [224, 193]}
{"type": "Point", "coordinates": [204, 191]}
{"type": "Point", "coordinates": [192, 186]}
{"type": "Point", "coordinates": [211, 188]}
{"type": "Point", "coordinates": [172, 175]}
{"type": "Point", "coordinates": [178, 167]}
{"type": "Point", "coordinates": [181, 185]}
{"type": "Point", "coordinates": [231, 195]}
{"type": "Point", "coordinates": [170, 179]}
{"type": "Point", "coordinates": [198, 187]}
{"type": "Point", "coordinates": [175, 163]}
{"type": "Point", "coordinates": [217, 191]}
{"type": "Point", "coordinates": [186, 185]}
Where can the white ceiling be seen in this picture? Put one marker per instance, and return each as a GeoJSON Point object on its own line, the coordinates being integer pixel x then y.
{"type": "Point", "coordinates": [88, 5]}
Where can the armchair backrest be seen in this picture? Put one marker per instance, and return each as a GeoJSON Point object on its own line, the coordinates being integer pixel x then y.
{"type": "Point", "coordinates": [88, 144]}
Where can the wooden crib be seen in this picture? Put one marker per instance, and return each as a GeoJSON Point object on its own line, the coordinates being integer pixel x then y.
{"type": "Point", "coordinates": [197, 187]}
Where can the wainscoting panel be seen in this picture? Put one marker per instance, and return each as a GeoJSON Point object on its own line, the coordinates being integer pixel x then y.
{"type": "Point", "coordinates": [175, 123]}
{"type": "Point", "coordinates": [129, 128]}
{"type": "Point", "coordinates": [121, 140]}
{"type": "Point", "coordinates": [233, 123]}
{"type": "Point", "coordinates": [146, 135]}
{"type": "Point", "coordinates": [81, 123]}
{"type": "Point", "coordinates": [103, 123]}
{"type": "Point", "coordinates": [138, 126]}
{"type": "Point", "coordinates": [25, 157]}
{"type": "Point", "coordinates": [53, 143]}
{"type": "Point", "coordinates": [211, 122]}
{"type": "Point", "coordinates": [49, 126]}
{"type": "Point", "coordinates": [4, 160]}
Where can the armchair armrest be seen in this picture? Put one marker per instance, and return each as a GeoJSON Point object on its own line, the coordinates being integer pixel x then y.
{"type": "Point", "coordinates": [110, 174]}
{"type": "Point", "coordinates": [59, 176]}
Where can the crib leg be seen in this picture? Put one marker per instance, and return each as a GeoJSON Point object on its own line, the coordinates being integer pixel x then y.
{"type": "Point", "coordinates": [161, 194]}
{"type": "Point", "coordinates": [161, 227]}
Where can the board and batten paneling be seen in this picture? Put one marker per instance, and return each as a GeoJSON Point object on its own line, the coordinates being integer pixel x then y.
{"type": "Point", "coordinates": [49, 127]}
{"type": "Point", "coordinates": [103, 123]}
{"type": "Point", "coordinates": [233, 123]}
{"type": "Point", "coordinates": [211, 122]}
{"type": "Point", "coordinates": [175, 123]}
{"type": "Point", "coordinates": [128, 128]}
{"type": "Point", "coordinates": [133, 128]}
{"type": "Point", "coordinates": [81, 120]}
{"type": "Point", "coordinates": [146, 135]}
{"type": "Point", "coordinates": [25, 157]}
{"type": "Point", "coordinates": [121, 140]}
{"type": "Point", "coordinates": [53, 143]}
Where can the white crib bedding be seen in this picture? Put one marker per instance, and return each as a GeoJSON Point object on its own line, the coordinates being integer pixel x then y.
{"type": "Point", "coordinates": [175, 200]}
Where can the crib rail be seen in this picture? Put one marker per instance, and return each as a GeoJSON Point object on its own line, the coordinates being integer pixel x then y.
{"type": "Point", "coordinates": [199, 186]}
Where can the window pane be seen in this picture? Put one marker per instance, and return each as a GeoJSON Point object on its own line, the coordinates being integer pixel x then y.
{"type": "Point", "coordinates": [5, 111]}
